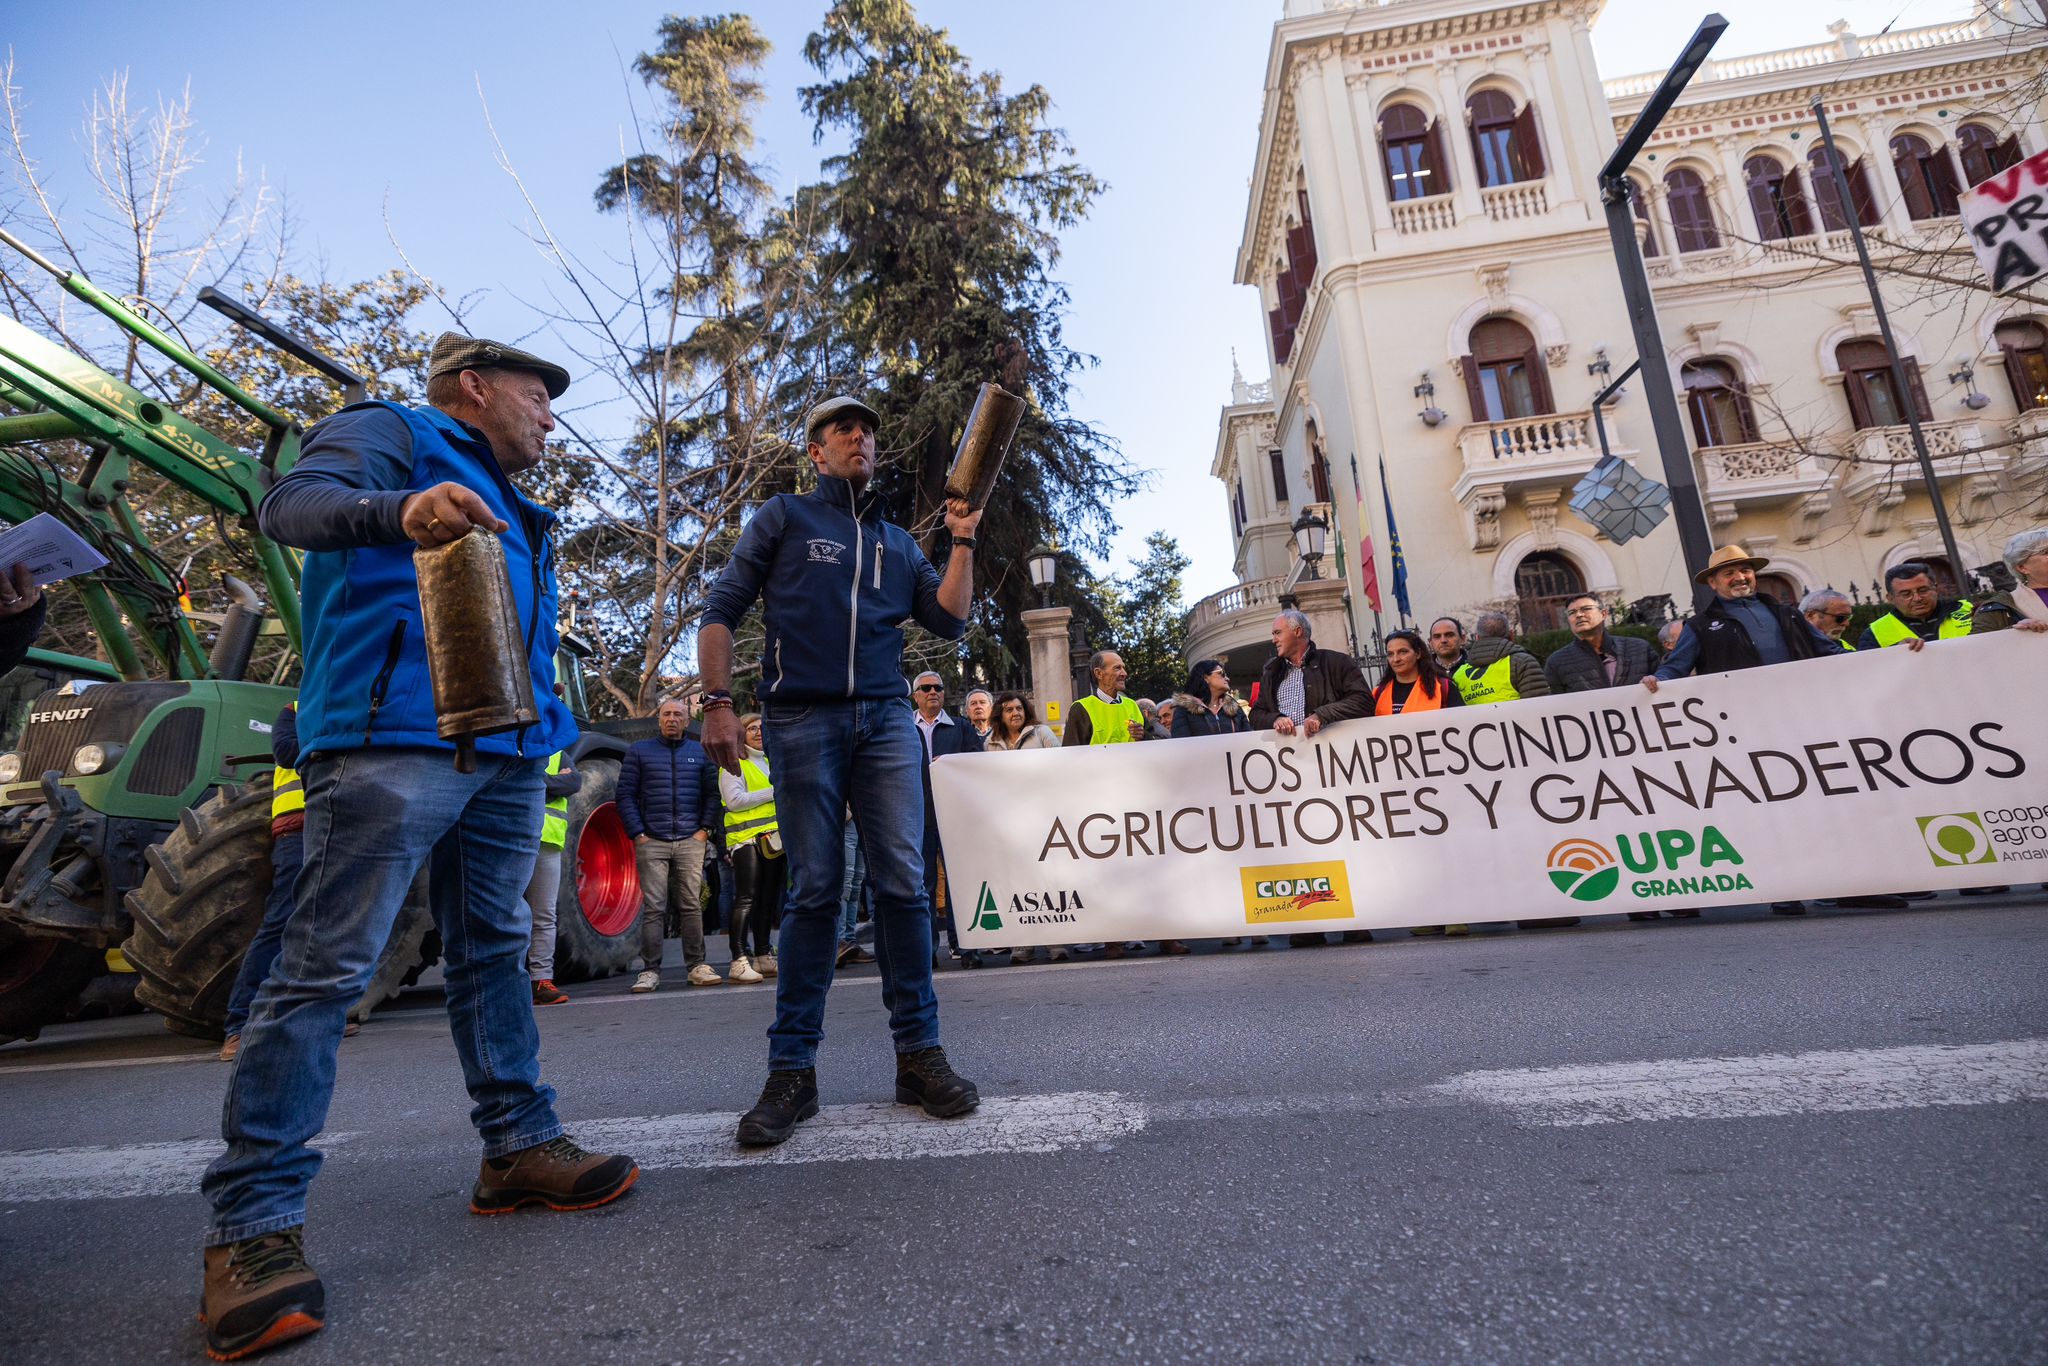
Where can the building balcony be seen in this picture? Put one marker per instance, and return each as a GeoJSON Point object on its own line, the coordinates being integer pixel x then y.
{"type": "Point", "coordinates": [1237, 621]}
{"type": "Point", "coordinates": [1534, 460]}
{"type": "Point", "coordinates": [1432, 213]}
{"type": "Point", "coordinates": [1766, 474]}
{"type": "Point", "coordinates": [1884, 467]}
{"type": "Point", "coordinates": [1508, 203]}
{"type": "Point", "coordinates": [2029, 466]}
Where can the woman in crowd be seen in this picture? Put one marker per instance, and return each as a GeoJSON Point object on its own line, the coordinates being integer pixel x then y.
{"type": "Point", "coordinates": [2026, 606]}
{"type": "Point", "coordinates": [1015, 726]}
{"type": "Point", "coordinates": [1414, 683]}
{"type": "Point", "coordinates": [760, 870]}
{"type": "Point", "coordinates": [1208, 707]}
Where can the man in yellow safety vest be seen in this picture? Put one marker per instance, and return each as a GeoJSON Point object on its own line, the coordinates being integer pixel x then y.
{"type": "Point", "coordinates": [1495, 668]}
{"type": "Point", "coordinates": [1919, 613]}
{"type": "Point", "coordinates": [543, 889]}
{"type": "Point", "coordinates": [1105, 716]}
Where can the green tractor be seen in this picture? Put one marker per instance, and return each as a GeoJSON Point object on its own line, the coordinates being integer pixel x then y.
{"type": "Point", "coordinates": [135, 798]}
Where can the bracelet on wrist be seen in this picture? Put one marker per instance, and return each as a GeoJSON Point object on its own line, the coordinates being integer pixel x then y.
{"type": "Point", "coordinates": [965, 543]}
{"type": "Point", "coordinates": [714, 703]}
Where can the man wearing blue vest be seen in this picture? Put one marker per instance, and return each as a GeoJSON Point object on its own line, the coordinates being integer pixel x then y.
{"type": "Point", "coordinates": [383, 797]}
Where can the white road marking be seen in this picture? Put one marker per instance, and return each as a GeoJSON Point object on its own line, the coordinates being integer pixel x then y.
{"type": "Point", "coordinates": [113, 1173]}
{"type": "Point", "coordinates": [1769, 1084]}
{"type": "Point", "coordinates": [875, 1132]}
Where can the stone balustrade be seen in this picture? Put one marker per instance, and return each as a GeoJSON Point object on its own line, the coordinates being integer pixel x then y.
{"type": "Point", "coordinates": [1506, 203]}
{"type": "Point", "coordinates": [1432, 213]}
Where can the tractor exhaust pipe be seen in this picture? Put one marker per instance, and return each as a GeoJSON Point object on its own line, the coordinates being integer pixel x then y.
{"type": "Point", "coordinates": [239, 627]}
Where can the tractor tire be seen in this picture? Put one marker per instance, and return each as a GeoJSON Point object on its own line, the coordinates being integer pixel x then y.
{"type": "Point", "coordinates": [414, 946]}
{"type": "Point", "coordinates": [597, 911]}
{"type": "Point", "coordinates": [198, 907]}
{"type": "Point", "coordinates": [40, 981]}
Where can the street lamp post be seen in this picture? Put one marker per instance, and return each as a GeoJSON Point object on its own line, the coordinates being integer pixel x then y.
{"type": "Point", "coordinates": [1695, 541]}
{"type": "Point", "coordinates": [1311, 538]}
{"type": "Point", "coordinates": [1044, 564]}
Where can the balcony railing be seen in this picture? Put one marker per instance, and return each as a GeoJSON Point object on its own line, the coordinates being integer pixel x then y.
{"type": "Point", "coordinates": [1885, 455]}
{"type": "Point", "coordinates": [1802, 250]}
{"type": "Point", "coordinates": [2030, 429]}
{"type": "Point", "coordinates": [1242, 597]}
{"type": "Point", "coordinates": [1760, 469]}
{"type": "Point", "coordinates": [1551, 450]}
{"type": "Point", "coordinates": [1429, 214]}
{"type": "Point", "coordinates": [1505, 203]}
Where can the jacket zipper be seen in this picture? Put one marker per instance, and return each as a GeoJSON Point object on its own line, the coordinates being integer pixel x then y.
{"type": "Point", "coordinates": [382, 683]}
{"type": "Point", "coordinates": [853, 619]}
{"type": "Point", "coordinates": [879, 540]}
{"type": "Point", "coordinates": [776, 687]}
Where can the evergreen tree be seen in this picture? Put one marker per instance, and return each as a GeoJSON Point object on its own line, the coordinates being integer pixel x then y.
{"type": "Point", "coordinates": [1146, 620]}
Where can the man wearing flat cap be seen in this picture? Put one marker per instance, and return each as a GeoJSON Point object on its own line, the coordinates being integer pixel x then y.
{"type": "Point", "coordinates": [383, 798]}
{"type": "Point", "coordinates": [836, 583]}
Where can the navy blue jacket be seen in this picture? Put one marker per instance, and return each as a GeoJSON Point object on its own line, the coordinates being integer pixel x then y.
{"type": "Point", "coordinates": [365, 677]}
{"type": "Point", "coordinates": [668, 790]}
{"type": "Point", "coordinates": [836, 582]}
{"type": "Point", "coordinates": [958, 738]}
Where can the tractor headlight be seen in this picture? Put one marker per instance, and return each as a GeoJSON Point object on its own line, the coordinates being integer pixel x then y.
{"type": "Point", "coordinates": [10, 768]}
{"type": "Point", "coordinates": [88, 759]}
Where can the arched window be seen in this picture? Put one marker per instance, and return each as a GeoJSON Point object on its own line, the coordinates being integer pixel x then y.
{"type": "Point", "coordinates": [2025, 347]}
{"type": "Point", "coordinates": [1820, 164]}
{"type": "Point", "coordinates": [1504, 376]}
{"type": "Point", "coordinates": [1412, 147]}
{"type": "Point", "coordinates": [1504, 143]}
{"type": "Point", "coordinates": [1692, 211]}
{"type": "Point", "coordinates": [1721, 414]}
{"type": "Point", "coordinates": [1544, 583]}
{"type": "Point", "coordinates": [1775, 199]}
{"type": "Point", "coordinates": [1984, 156]}
{"type": "Point", "coordinates": [1641, 208]}
{"type": "Point", "coordinates": [1874, 397]}
{"type": "Point", "coordinates": [1927, 175]}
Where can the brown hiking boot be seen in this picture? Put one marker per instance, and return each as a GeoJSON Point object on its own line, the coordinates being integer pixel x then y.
{"type": "Point", "coordinates": [556, 1173]}
{"type": "Point", "coordinates": [546, 993]}
{"type": "Point", "coordinates": [258, 1293]}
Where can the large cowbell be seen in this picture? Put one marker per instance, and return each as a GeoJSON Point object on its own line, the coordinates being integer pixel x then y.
{"type": "Point", "coordinates": [476, 653]}
{"type": "Point", "coordinates": [1615, 497]}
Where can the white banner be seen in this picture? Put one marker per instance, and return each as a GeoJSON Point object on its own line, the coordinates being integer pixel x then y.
{"type": "Point", "coordinates": [2006, 216]}
{"type": "Point", "coordinates": [1874, 772]}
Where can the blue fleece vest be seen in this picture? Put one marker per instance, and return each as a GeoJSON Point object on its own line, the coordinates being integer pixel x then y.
{"type": "Point", "coordinates": [366, 660]}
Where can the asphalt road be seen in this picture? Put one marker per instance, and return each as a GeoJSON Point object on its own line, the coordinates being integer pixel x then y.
{"type": "Point", "coordinates": [1734, 1139]}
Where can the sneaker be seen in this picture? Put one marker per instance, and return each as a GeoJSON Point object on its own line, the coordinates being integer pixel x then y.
{"type": "Point", "coordinates": [229, 1046]}
{"type": "Point", "coordinates": [969, 958]}
{"type": "Point", "coordinates": [557, 1173]}
{"type": "Point", "coordinates": [703, 975]}
{"type": "Point", "coordinates": [742, 974]}
{"type": "Point", "coordinates": [546, 993]}
{"type": "Point", "coordinates": [846, 955]}
{"type": "Point", "coordinates": [351, 1029]}
{"type": "Point", "coordinates": [789, 1098]}
{"type": "Point", "coordinates": [764, 963]}
{"type": "Point", "coordinates": [926, 1079]}
{"type": "Point", "coordinates": [646, 982]}
{"type": "Point", "coordinates": [258, 1293]}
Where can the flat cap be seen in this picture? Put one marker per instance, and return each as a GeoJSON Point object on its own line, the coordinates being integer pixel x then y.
{"type": "Point", "coordinates": [453, 351]}
{"type": "Point", "coordinates": [833, 407]}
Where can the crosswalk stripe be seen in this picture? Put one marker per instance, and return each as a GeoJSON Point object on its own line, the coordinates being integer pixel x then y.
{"type": "Point", "coordinates": [113, 1173]}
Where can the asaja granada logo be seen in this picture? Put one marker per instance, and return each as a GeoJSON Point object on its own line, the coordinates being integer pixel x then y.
{"type": "Point", "coordinates": [1028, 908]}
{"type": "Point", "coordinates": [1285, 892]}
{"type": "Point", "coordinates": [1957, 839]}
{"type": "Point", "coordinates": [1583, 870]}
{"type": "Point", "coordinates": [1669, 863]}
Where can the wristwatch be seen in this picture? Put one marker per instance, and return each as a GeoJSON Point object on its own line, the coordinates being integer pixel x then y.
{"type": "Point", "coordinates": [965, 543]}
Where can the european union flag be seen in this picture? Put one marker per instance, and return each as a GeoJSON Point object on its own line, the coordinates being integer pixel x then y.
{"type": "Point", "coordinates": [1394, 544]}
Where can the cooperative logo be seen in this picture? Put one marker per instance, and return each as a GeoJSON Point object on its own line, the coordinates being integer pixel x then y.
{"type": "Point", "coordinates": [1583, 870]}
{"type": "Point", "coordinates": [1295, 891]}
{"type": "Point", "coordinates": [986, 917]}
{"type": "Point", "coordinates": [1957, 839]}
{"type": "Point", "coordinates": [1028, 908]}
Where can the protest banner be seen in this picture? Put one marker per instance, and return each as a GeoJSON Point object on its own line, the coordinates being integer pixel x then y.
{"type": "Point", "coordinates": [2006, 216]}
{"type": "Point", "coordinates": [1875, 772]}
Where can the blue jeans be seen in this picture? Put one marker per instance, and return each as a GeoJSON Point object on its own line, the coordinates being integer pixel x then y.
{"type": "Point", "coordinates": [287, 852]}
{"type": "Point", "coordinates": [372, 817]}
{"type": "Point", "coordinates": [852, 887]}
{"type": "Point", "coordinates": [826, 756]}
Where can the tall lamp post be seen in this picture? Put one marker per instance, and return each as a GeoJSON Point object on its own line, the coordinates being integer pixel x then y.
{"type": "Point", "coordinates": [1311, 539]}
{"type": "Point", "coordinates": [1044, 564]}
{"type": "Point", "coordinates": [1668, 427]}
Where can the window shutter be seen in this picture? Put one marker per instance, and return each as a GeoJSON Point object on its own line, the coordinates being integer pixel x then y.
{"type": "Point", "coordinates": [1863, 202]}
{"type": "Point", "coordinates": [2016, 376]}
{"type": "Point", "coordinates": [1468, 366]}
{"type": "Point", "coordinates": [1746, 411]}
{"type": "Point", "coordinates": [2007, 154]}
{"type": "Point", "coordinates": [1920, 405]}
{"type": "Point", "coordinates": [1525, 147]}
{"type": "Point", "coordinates": [1539, 379]}
{"type": "Point", "coordinates": [1435, 159]}
{"type": "Point", "coordinates": [1283, 336]}
{"type": "Point", "coordinates": [1795, 204]}
{"type": "Point", "coordinates": [1761, 208]}
{"type": "Point", "coordinates": [1859, 406]}
{"type": "Point", "coordinates": [1941, 179]}
{"type": "Point", "coordinates": [1913, 180]}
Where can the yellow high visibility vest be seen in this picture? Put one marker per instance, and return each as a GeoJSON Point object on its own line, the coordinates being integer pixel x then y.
{"type": "Point", "coordinates": [1889, 630]}
{"type": "Point", "coordinates": [742, 827]}
{"type": "Point", "coordinates": [287, 789]}
{"type": "Point", "coordinates": [1494, 685]}
{"type": "Point", "coordinates": [554, 825]}
{"type": "Point", "coordinates": [1109, 723]}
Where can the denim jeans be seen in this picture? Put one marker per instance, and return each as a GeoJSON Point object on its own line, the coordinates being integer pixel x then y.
{"type": "Point", "coordinates": [852, 887]}
{"type": "Point", "coordinates": [655, 859]}
{"type": "Point", "coordinates": [825, 757]}
{"type": "Point", "coordinates": [372, 817]}
{"type": "Point", "coordinates": [287, 852]}
{"type": "Point", "coordinates": [543, 890]}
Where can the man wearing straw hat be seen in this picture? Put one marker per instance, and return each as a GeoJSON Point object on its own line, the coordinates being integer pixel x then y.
{"type": "Point", "coordinates": [1741, 628]}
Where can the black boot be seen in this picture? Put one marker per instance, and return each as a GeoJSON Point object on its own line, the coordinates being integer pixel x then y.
{"type": "Point", "coordinates": [787, 1100]}
{"type": "Point", "coordinates": [926, 1079]}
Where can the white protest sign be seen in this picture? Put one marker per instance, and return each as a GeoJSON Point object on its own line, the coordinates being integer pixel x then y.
{"type": "Point", "coordinates": [2007, 219]}
{"type": "Point", "coordinates": [1883, 771]}
{"type": "Point", "coordinates": [51, 550]}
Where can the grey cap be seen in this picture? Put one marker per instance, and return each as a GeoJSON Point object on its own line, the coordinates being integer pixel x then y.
{"type": "Point", "coordinates": [833, 407]}
{"type": "Point", "coordinates": [453, 352]}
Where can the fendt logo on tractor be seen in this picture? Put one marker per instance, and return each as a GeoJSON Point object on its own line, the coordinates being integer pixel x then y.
{"type": "Point", "coordinates": [68, 714]}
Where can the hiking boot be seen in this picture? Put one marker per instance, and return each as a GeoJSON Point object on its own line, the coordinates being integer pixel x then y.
{"type": "Point", "coordinates": [764, 963]}
{"type": "Point", "coordinates": [846, 953]}
{"type": "Point", "coordinates": [646, 982]}
{"type": "Point", "coordinates": [703, 975]}
{"type": "Point", "coordinates": [926, 1079]}
{"type": "Point", "coordinates": [789, 1098]}
{"type": "Point", "coordinates": [258, 1293]}
{"type": "Point", "coordinates": [742, 973]}
{"type": "Point", "coordinates": [229, 1046]}
{"type": "Point", "coordinates": [557, 1173]}
{"type": "Point", "coordinates": [546, 993]}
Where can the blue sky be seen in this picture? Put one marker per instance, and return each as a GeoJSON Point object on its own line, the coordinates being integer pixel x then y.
{"type": "Point", "coordinates": [355, 110]}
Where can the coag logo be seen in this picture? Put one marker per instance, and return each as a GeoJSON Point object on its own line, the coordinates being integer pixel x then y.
{"type": "Point", "coordinates": [1296, 891]}
{"type": "Point", "coordinates": [1957, 839]}
{"type": "Point", "coordinates": [986, 917]}
{"type": "Point", "coordinates": [1582, 870]}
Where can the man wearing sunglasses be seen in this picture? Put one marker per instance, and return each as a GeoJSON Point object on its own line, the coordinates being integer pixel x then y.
{"type": "Point", "coordinates": [1829, 612]}
{"type": "Point", "coordinates": [943, 733]}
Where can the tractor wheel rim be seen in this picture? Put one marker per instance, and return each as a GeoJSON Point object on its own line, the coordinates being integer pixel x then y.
{"type": "Point", "coordinates": [607, 875]}
{"type": "Point", "coordinates": [19, 965]}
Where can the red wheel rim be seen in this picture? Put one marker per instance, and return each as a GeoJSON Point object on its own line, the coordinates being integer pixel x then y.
{"type": "Point", "coordinates": [19, 966]}
{"type": "Point", "coordinates": [607, 878]}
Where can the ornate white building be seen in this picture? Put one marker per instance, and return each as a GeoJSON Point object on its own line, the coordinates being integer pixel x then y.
{"type": "Point", "coordinates": [1426, 233]}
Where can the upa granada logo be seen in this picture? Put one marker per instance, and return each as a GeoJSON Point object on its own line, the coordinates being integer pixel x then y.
{"type": "Point", "coordinates": [1957, 839]}
{"type": "Point", "coordinates": [1295, 891]}
{"type": "Point", "coordinates": [1583, 870]}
